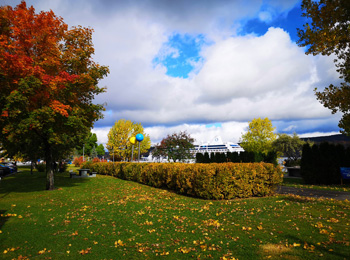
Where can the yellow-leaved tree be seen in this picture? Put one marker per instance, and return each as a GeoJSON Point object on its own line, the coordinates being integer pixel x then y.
{"type": "Point", "coordinates": [119, 145]}
{"type": "Point", "coordinates": [259, 137]}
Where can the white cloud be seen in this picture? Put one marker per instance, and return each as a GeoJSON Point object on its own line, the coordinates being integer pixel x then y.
{"type": "Point", "coordinates": [230, 132]}
{"type": "Point", "coordinates": [102, 134]}
{"type": "Point", "coordinates": [238, 79]}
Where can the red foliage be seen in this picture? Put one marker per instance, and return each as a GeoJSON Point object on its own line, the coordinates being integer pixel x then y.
{"type": "Point", "coordinates": [96, 160]}
{"type": "Point", "coordinates": [78, 161]}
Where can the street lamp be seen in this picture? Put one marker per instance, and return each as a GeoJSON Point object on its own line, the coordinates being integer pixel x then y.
{"type": "Point", "coordinates": [139, 138]}
{"type": "Point", "coordinates": [132, 141]}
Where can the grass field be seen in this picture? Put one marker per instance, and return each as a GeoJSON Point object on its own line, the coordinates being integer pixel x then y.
{"type": "Point", "coordinates": [299, 183]}
{"type": "Point", "coordinates": [108, 218]}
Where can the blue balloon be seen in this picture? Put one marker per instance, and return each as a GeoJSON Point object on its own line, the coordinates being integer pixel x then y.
{"type": "Point", "coordinates": [139, 137]}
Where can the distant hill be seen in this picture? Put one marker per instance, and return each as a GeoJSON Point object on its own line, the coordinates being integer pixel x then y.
{"type": "Point", "coordinates": [334, 139]}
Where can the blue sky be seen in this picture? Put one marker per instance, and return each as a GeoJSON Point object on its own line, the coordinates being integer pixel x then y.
{"type": "Point", "coordinates": [185, 51]}
{"type": "Point", "coordinates": [186, 48]}
{"type": "Point", "coordinates": [207, 67]}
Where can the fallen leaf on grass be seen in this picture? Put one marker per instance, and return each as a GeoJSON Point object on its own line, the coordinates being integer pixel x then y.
{"type": "Point", "coordinates": [43, 251]}
{"type": "Point", "coordinates": [85, 251]}
{"type": "Point", "coordinates": [119, 243]}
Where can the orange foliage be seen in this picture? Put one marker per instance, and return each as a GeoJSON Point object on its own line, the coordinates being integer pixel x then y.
{"type": "Point", "coordinates": [96, 160]}
{"type": "Point", "coordinates": [5, 113]}
{"type": "Point", "coordinates": [78, 161]}
{"type": "Point", "coordinates": [58, 107]}
{"type": "Point", "coordinates": [41, 46]}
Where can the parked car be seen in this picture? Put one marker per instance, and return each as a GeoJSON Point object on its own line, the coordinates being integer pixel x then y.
{"type": "Point", "coordinates": [4, 170]}
{"type": "Point", "coordinates": [12, 166]}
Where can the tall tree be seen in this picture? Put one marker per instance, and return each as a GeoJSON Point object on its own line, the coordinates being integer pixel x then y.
{"type": "Point", "coordinates": [100, 150]}
{"type": "Point", "coordinates": [118, 139]}
{"type": "Point", "coordinates": [48, 81]}
{"type": "Point", "coordinates": [289, 146]}
{"type": "Point", "coordinates": [176, 147]}
{"type": "Point", "coordinates": [259, 137]}
{"type": "Point", "coordinates": [89, 143]}
{"type": "Point", "coordinates": [329, 33]}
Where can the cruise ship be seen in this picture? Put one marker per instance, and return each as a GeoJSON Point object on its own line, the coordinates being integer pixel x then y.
{"type": "Point", "coordinates": [218, 146]}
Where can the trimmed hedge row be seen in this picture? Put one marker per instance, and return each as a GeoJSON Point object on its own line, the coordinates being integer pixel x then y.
{"type": "Point", "coordinates": [320, 164]}
{"type": "Point", "coordinates": [208, 181]}
{"type": "Point", "coordinates": [235, 157]}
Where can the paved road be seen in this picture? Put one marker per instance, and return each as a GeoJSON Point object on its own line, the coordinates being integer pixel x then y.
{"type": "Point", "coordinates": [338, 195]}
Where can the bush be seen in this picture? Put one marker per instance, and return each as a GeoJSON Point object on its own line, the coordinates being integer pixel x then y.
{"type": "Point", "coordinates": [235, 157]}
{"type": "Point", "coordinates": [209, 181]}
{"type": "Point", "coordinates": [78, 161]}
{"type": "Point", "coordinates": [292, 162]}
{"type": "Point", "coordinates": [199, 158]}
{"type": "Point", "coordinates": [320, 164]}
{"type": "Point", "coordinates": [96, 159]}
{"type": "Point", "coordinates": [63, 167]}
{"type": "Point", "coordinates": [41, 167]}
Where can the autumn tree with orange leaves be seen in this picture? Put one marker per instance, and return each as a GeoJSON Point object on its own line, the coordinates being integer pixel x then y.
{"type": "Point", "coordinates": [48, 81]}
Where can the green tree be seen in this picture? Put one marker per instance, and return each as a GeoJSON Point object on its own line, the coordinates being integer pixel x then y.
{"type": "Point", "coordinates": [100, 150]}
{"type": "Point", "coordinates": [259, 137]}
{"type": "Point", "coordinates": [89, 143]}
{"type": "Point", "coordinates": [48, 81]}
{"type": "Point", "coordinates": [289, 146]}
{"type": "Point", "coordinates": [176, 147]}
{"type": "Point", "coordinates": [329, 33]}
{"type": "Point", "coordinates": [118, 139]}
{"type": "Point", "coordinates": [93, 153]}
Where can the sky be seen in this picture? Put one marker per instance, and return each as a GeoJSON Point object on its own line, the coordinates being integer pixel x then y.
{"type": "Point", "coordinates": [207, 67]}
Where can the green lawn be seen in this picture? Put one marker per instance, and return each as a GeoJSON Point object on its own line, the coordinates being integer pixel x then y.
{"type": "Point", "coordinates": [299, 183]}
{"type": "Point", "coordinates": [108, 218]}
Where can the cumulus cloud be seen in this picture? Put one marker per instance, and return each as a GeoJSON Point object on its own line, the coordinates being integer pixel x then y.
{"type": "Point", "coordinates": [236, 79]}
{"type": "Point", "coordinates": [241, 78]}
{"type": "Point", "coordinates": [229, 132]}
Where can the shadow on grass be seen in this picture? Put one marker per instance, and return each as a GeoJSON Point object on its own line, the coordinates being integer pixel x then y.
{"type": "Point", "coordinates": [312, 247]}
{"type": "Point", "coordinates": [3, 218]}
{"type": "Point", "coordinates": [25, 182]}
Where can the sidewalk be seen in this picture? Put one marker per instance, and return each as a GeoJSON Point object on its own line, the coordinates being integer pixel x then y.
{"type": "Point", "coordinates": [337, 195]}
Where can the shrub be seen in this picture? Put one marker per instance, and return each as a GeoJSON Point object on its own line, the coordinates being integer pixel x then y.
{"type": "Point", "coordinates": [292, 162]}
{"type": "Point", "coordinates": [96, 159]}
{"type": "Point", "coordinates": [209, 181]}
{"type": "Point", "coordinates": [78, 161]}
{"type": "Point", "coordinates": [320, 164]}
{"type": "Point", "coordinates": [41, 167]}
{"type": "Point", "coordinates": [206, 158]}
{"type": "Point", "coordinates": [235, 157]}
{"type": "Point", "coordinates": [199, 158]}
{"type": "Point", "coordinates": [63, 167]}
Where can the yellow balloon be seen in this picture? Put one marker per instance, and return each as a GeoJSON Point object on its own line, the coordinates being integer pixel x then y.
{"type": "Point", "coordinates": [132, 140]}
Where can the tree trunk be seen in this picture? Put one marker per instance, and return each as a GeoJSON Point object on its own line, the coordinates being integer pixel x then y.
{"type": "Point", "coordinates": [49, 168]}
{"type": "Point", "coordinates": [49, 177]}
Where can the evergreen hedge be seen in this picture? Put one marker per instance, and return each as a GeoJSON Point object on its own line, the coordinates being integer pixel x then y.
{"type": "Point", "coordinates": [235, 157]}
{"type": "Point", "coordinates": [320, 164]}
{"type": "Point", "coordinates": [208, 181]}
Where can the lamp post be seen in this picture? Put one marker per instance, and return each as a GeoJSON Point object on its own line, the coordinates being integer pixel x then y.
{"type": "Point", "coordinates": [132, 141]}
{"type": "Point", "coordinates": [139, 138]}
